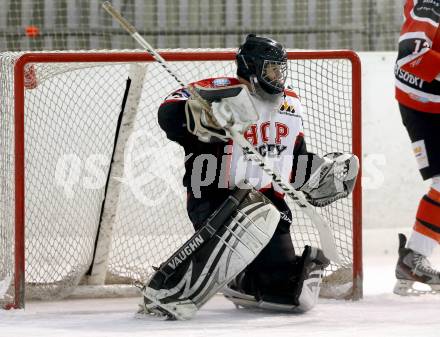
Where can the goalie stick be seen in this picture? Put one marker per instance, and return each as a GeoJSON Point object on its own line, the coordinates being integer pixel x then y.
{"type": "Point", "coordinates": [328, 244]}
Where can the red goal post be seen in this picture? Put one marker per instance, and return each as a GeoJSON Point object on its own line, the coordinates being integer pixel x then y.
{"type": "Point", "coordinates": [317, 76]}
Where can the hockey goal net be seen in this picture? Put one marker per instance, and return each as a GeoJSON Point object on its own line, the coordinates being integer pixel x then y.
{"type": "Point", "coordinates": [91, 188]}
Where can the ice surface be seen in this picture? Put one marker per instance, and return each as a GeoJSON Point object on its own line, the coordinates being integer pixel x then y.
{"type": "Point", "coordinates": [380, 313]}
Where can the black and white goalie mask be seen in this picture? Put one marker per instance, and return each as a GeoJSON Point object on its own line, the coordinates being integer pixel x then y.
{"type": "Point", "coordinates": [264, 61]}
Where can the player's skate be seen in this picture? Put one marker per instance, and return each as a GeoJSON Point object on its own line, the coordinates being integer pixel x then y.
{"type": "Point", "coordinates": [413, 267]}
{"type": "Point", "coordinates": [301, 296]}
{"type": "Point", "coordinates": [231, 238]}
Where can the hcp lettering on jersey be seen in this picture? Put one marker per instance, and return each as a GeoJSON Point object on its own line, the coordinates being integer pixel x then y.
{"type": "Point", "coordinates": [221, 82]}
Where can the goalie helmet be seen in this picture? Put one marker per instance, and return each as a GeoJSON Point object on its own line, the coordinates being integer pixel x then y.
{"type": "Point", "coordinates": [265, 60]}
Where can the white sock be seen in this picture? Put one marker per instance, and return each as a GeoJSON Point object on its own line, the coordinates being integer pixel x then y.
{"type": "Point", "coordinates": [421, 244]}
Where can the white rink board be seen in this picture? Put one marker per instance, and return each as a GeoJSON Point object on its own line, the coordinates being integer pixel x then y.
{"type": "Point", "coordinates": [392, 185]}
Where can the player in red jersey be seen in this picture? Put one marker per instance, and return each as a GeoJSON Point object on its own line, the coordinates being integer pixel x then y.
{"type": "Point", "coordinates": [417, 73]}
{"type": "Point", "coordinates": [241, 219]}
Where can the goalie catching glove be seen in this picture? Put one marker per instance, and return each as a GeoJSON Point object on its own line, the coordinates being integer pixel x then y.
{"type": "Point", "coordinates": [230, 108]}
{"type": "Point", "coordinates": [333, 180]}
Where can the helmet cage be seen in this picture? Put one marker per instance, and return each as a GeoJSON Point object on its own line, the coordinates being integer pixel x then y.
{"type": "Point", "coordinates": [273, 75]}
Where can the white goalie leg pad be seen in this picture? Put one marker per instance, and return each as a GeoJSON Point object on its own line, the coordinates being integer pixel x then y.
{"type": "Point", "coordinates": [234, 245]}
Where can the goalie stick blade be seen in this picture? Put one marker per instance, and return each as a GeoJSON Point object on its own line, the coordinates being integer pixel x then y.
{"type": "Point", "coordinates": [328, 244]}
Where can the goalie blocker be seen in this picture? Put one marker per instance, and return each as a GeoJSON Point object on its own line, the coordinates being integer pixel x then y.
{"type": "Point", "coordinates": [229, 240]}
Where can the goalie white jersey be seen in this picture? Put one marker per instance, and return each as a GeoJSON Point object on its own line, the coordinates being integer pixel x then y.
{"type": "Point", "coordinates": [277, 135]}
{"type": "Point", "coordinates": [274, 136]}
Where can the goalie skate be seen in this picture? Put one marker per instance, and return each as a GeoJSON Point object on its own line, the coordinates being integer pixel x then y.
{"type": "Point", "coordinates": [413, 270]}
{"type": "Point", "coordinates": [177, 291]}
{"type": "Point", "coordinates": [305, 291]}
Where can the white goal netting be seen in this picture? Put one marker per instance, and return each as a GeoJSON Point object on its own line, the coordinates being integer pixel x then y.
{"type": "Point", "coordinates": [71, 112]}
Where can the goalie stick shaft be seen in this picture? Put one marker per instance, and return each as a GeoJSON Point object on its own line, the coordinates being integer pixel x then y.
{"type": "Point", "coordinates": [139, 39]}
{"type": "Point", "coordinates": [328, 244]}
